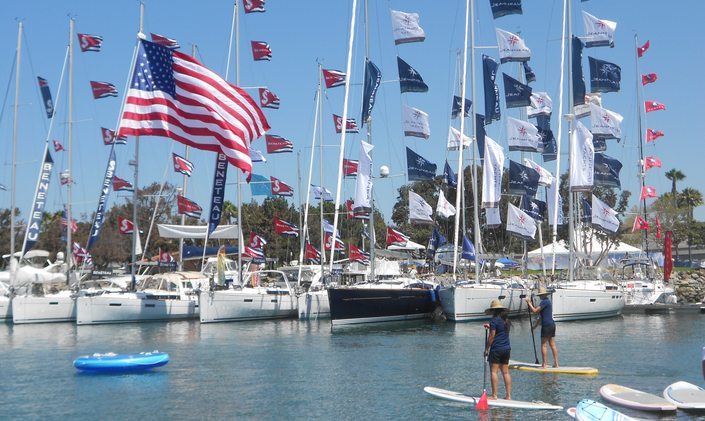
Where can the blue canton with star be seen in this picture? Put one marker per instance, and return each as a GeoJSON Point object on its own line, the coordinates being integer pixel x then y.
{"type": "Point", "coordinates": [153, 69]}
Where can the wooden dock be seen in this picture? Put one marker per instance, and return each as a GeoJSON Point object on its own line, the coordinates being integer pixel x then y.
{"type": "Point", "coordinates": [664, 308]}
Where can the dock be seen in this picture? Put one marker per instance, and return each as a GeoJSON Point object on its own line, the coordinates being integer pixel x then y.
{"type": "Point", "coordinates": [664, 308]}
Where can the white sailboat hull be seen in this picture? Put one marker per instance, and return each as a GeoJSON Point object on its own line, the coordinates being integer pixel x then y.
{"type": "Point", "coordinates": [5, 308]}
{"type": "Point", "coordinates": [131, 308]}
{"type": "Point", "coordinates": [583, 304]}
{"type": "Point", "coordinates": [51, 308]}
{"type": "Point", "coordinates": [246, 304]}
{"type": "Point", "coordinates": [463, 303]}
{"type": "Point", "coordinates": [313, 305]}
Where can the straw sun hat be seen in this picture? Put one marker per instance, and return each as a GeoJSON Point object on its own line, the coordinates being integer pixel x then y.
{"type": "Point", "coordinates": [495, 305]}
{"type": "Point", "coordinates": [542, 291]}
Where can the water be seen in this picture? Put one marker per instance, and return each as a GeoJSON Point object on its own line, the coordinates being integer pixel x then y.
{"type": "Point", "coordinates": [303, 370]}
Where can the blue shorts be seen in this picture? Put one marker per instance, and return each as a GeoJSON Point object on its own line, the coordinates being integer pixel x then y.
{"type": "Point", "coordinates": [548, 331]}
{"type": "Point", "coordinates": [499, 357]}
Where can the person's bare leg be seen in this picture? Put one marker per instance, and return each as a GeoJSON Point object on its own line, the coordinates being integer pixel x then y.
{"type": "Point", "coordinates": [494, 380]}
{"type": "Point", "coordinates": [507, 381]}
{"type": "Point", "coordinates": [552, 343]}
{"type": "Point", "coordinates": [544, 352]}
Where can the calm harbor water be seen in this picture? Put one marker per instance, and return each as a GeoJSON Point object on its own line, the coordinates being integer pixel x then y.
{"type": "Point", "coordinates": [304, 370]}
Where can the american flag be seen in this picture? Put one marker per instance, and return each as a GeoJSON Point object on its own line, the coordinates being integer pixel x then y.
{"type": "Point", "coordinates": [90, 42]}
{"type": "Point", "coordinates": [267, 99]}
{"type": "Point", "coordinates": [103, 89]}
{"type": "Point", "coordinates": [284, 228]}
{"type": "Point", "coordinates": [173, 95]}
{"type": "Point", "coordinates": [253, 6]}
{"type": "Point", "coordinates": [261, 51]}
{"type": "Point", "coordinates": [182, 165]}
{"type": "Point", "coordinates": [169, 43]}
{"type": "Point", "coordinates": [333, 78]}
{"type": "Point", "coordinates": [64, 222]}
{"type": "Point", "coordinates": [109, 137]}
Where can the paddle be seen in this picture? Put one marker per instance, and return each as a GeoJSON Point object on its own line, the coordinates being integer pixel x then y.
{"type": "Point", "coordinates": [482, 404]}
{"type": "Point", "coordinates": [533, 339]}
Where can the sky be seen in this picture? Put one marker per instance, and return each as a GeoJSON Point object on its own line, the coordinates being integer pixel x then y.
{"type": "Point", "coordinates": [301, 35]}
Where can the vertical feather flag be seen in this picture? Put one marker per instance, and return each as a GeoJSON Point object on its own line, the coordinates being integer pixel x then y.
{"type": "Point", "coordinates": [46, 96]}
{"type": "Point", "coordinates": [582, 158]}
{"type": "Point", "coordinates": [489, 73]}
{"type": "Point", "coordinates": [373, 77]}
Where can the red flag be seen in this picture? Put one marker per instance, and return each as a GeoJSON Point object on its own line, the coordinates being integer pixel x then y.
{"type": "Point", "coordinates": [640, 224]}
{"type": "Point", "coordinates": [651, 162]}
{"type": "Point", "coordinates": [648, 78]}
{"type": "Point", "coordinates": [58, 147]}
{"type": "Point", "coordinates": [647, 191]}
{"type": "Point", "coordinates": [121, 185]}
{"type": "Point", "coordinates": [280, 188]}
{"type": "Point", "coordinates": [333, 78]}
{"type": "Point", "coordinates": [658, 227]}
{"type": "Point", "coordinates": [339, 245]}
{"type": "Point", "coordinates": [256, 241]}
{"type": "Point", "coordinates": [109, 137]}
{"type": "Point", "coordinates": [169, 43]}
{"type": "Point", "coordinates": [284, 228]}
{"type": "Point", "coordinates": [192, 105]}
{"type": "Point", "coordinates": [182, 165]}
{"type": "Point", "coordinates": [277, 144]}
{"type": "Point", "coordinates": [357, 255]}
{"type": "Point", "coordinates": [652, 134]}
{"type": "Point", "coordinates": [252, 6]}
{"type": "Point", "coordinates": [653, 106]}
{"type": "Point", "coordinates": [165, 257]}
{"type": "Point", "coordinates": [349, 209]}
{"type": "Point", "coordinates": [188, 207]}
{"type": "Point", "coordinates": [641, 50]}
{"type": "Point", "coordinates": [312, 253]}
{"type": "Point", "coordinates": [395, 237]}
{"type": "Point", "coordinates": [350, 125]}
{"type": "Point", "coordinates": [89, 42]}
{"type": "Point", "coordinates": [667, 256]}
{"type": "Point", "coordinates": [125, 226]}
{"type": "Point", "coordinates": [261, 50]}
{"type": "Point", "coordinates": [267, 99]}
{"type": "Point", "coordinates": [349, 167]}
{"type": "Point", "coordinates": [103, 89]}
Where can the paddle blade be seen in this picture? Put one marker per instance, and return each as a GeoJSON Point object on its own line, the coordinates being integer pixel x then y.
{"type": "Point", "coordinates": [482, 404]}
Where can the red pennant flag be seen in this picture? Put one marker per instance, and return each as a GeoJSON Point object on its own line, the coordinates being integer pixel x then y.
{"type": "Point", "coordinates": [103, 89]}
{"type": "Point", "coordinates": [651, 162]}
{"type": "Point", "coordinates": [350, 125]}
{"type": "Point", "coordinates": [652, 134]}
{"type": "Point", "coordinates": [333, 78]}
{"type": "Point", "coordinates": [188, 207]}
{"type": "Point", "coordinates": [284, 228]}
{"type": "Point", "coordinates": [312, 253]}
{"type": "Point", "coordinates": [261, 50]}
{"type": "Point", "coordinates": [646, 192]}
{"type": "Point", "coordinates": [121, 185]}
{"type": "Point", "coordinates": [58, 147]}
{"type": "Point", "coordinates": [648, 78]}
{"type": "Point", "coordinates": [667, 256]}
{"type": "Point", "coordinates": [252, 6]}
{"type": "Point", "coordinates": [125, 226]}
{"type": "Point", "coordinates": [395, 237]}
{"type": "Point", "coordinates": [640, 224]}
{"type": "Point", "coordinates": [109, 137]}
{"type": "Point", "coordinates": [280, 188]}
{"type": "Point", "coordinates": [89, 42]}
{"type": "Point", "coordinates": [658, 228]}
{"type": "Point", "coordinates": [169, 43]}
{"type": "Point", "coordinates": [357, 255]}
{"type": "Point", "coordinates": [339, 245]}
{"type": "Point", "coordinates": [641, 50]}
{"type": "Point", "coordinates": [267, 99]}
{"type": "Point", "coordinates": [350, 167]}
{"type": "Point", "coordinates": [277, 144]}
{"type": "Point", "coordinates": [653, 106]}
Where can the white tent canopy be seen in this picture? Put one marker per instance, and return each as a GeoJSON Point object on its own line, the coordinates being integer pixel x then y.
{"type": "Point", "coordinates": [616, 252]}
{"type": "Point", "coordinates": [410, 245]}
{"type": "Point", "coordinates": [197, 231]}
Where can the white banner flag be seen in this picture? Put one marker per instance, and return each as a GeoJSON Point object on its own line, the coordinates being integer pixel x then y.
{"type": "Point", "coordinates": [541, 104]}
{"type": "Point", "coordinates": [545, 176]}
{"type": "Point", "coordinates": [522, 135]}
{"type": "Point", "coordinates": [406, 28]}
{"type": "Point", "coordinates": [519, 223]}
{"type": "Point", "coordinates": [256, 156]}
{"type": "Point", "coordinates": [582, 159]}
{"type": "Point", "coordinates": [363, 180]}
{"type": "Point", "coordinates": [604, 216]}
{"type": "Point", "coordinates": [419, 211]}
{"type": "Point", "coordinates": [605, 123]}
{"type": "Point", "coordinates": [454, 139]}
{"type": "Point", "coordinates": [550, 197]}
{"type": "Point", "coordinates": [493, 217]}
{"type": "Point", "coordinates": [598, 32]}
{"type": "Point", "coordinates": [511, 47]}
{"type": "Point", "coordinates": [492, 174]}
{"type": "Point", "coordinates": [444, 208]}
{"type": "Point", "coordinates": [415, 122]}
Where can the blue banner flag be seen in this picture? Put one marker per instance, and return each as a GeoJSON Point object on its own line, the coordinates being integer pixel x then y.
{"type": "Point", "coordinates": [219, 177]}
{"type": "Point", "coordinates": [578, 81]}
{"type": "Point", "coordinates": [372, 79]}
{"type": "Point", "coordinates": [418, 167]}
{"type": "Point", "coordinates": [481, 133]}
{"type": "Point", "coordinates": [607, 171]}
{"type": "Point", "coordinates": [468, 249]}
{"type": "Point", "coordinates": [533, 207]}
{"type": "Point", "coordinates": [489, 74]}
{"type": "Point", "coordinates": [523, 180]}
{"type": "Point", "coordinates": [260, 185]}
{"type": "Point", "coordinates": [437, 240]}
{"type": "Point", "coordinates": [548, 145]}
{"type": "Point", "coordinates": [455, 112]}
{"type": "Point", "coordinates": [34, 225]}
{"type": "Point", "coordinates": [604, 76]}
{"type": "Point", "coordinates": [46, 96]}
{"type": "Point", "coordinates": [409, 79]}
{"type": "Point", "coordinates": [529, 74]}
{"type": "Point", "coordinates": [516, 94]}
{"type": "Point", "coordinates": [449, 176]}
{"type": "Point", "coordinates": [505, 7]}
{"type": "Point", "coordinates": [587, 211]}
{"type": "Point", "coordinates": [103, 200]}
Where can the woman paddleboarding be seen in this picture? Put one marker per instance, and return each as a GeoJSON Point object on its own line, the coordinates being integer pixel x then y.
{"type": "Point", "coordinates": [548, 326]}
{"type": "Point", "coordinates": [498, 349]}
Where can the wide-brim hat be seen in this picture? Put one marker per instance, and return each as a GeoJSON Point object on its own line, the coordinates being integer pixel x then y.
{"type": "Point", "coordinates": [495, 305]}
{"type": "Point", "coordinates": [542, 291]}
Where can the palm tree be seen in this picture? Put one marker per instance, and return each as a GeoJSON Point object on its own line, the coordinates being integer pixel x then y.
{"type": "Point", "coordinates": [690, 198]}
{"type": "Point", "coordinates": [675, 176]}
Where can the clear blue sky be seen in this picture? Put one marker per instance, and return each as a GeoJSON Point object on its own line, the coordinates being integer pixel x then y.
{"type": "Point", "coordinates": [304, 32]}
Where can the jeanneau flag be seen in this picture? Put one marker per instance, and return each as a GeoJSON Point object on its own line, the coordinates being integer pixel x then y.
{"type": "Point", "coordinates": [454, 139]}
{"type": "Point", "coordinates": [598, 32]}
{"type": "Point", "coordinates": [505, 7]}
{"type": "Point", "coordinates": [493, 217]}
{"type": "Point", "coordinates": [522, 135]}
{"type": "Point", "coordinates": [604, 216]}
{"type": "Point", "coordinates": [492, 174]}
{"type": "Point", "coordinates": [468, 252]}
{"type": "Point", "coordinates": [578, 80]}
{"type": "Point", "coordinates": [419, 168]}
{"type": "Point", "coordinates": [533, 207]}
{"type": "Point", "coordinates": [489, 74]}
{"type": "Point", "coordinates": [455, 108]}
{"type": "Point", "coordinates": [406, 28]}
{"type": "Point", "coordinates": [604, 76]}
{"type": "Point", "coordinates": [373, 77]}
{"type": "Point", "coordinates": [519, 224]}
{"type": "Point", "coordinates": [550, 197]}
{"type": "Point", "coordinates": [443, 208]}
{"type": "Point", "coordinates": [449, 176]}
{"type": "Point", "coordinates": [409, 79]}
{"type": "Point", "coordinates": [545, 176]}
{"type": "Point", "coordinates": [415, 122]}
{"type": "Point", "coordinates": [606, 124]}
{"type": "Point", "coordinates": [256, 155]}
{"type": "Point", "coordinates": [363, 181]}
{"type": "Point", "coordinates": [523, 180]}
{"type": "Point", "coordinates": [318, 191]}
{"type": "Point", "coordinates": [419, 210]}
{"type": "Point", "coordinates": [480, 134]}
{"type": "Point", "coordinates": [511, 47]}
{"type": "Point", "coordinates": [607, 171]}
{"type": "Point", "coordinates": [541, 104]}
{"type": "Point", "coordinates": [582, 159]}
{"type": "Point", "coordinates": [516, 94]}
{"type": "Point", "coordinates": [529, 74]}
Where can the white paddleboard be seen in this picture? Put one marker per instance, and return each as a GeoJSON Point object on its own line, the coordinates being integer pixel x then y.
{"type": "Point", "coordinates": [584, 371]}
{"type": "Point", "coordinates": [571, 411]}
{"type": "Point", "coordinates": [497, 403]}
{"type": "Point", "coordinates": [635, 399]}
{"type": "Point", "coordinates": [685, 395]}
{"type": "Point", "coordinates": [589, 410]}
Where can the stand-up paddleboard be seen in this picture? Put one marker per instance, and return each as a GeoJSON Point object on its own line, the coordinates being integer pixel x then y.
{"type": "Point", "coordinates": [497, 403]}
{"type": "Point", "coordinates": [635, 399]}
{"type": "Point", "coordinates": [589, 410]}
{"type": "Point", "coordinates": [119, 363]}
{"type": "Point", "coordinates": [571, 411]}
{"type": "Point", "coordinates": [685, 395]}
{"type": "Point", "coordinates": [583, 371]}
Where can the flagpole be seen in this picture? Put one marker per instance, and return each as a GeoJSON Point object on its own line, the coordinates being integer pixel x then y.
{"type": "Point", "coordinates": [69, 210]}
{"type": "Point", "coordinates": [13, 192]}
{"type": "Point", "coordinates": [320, 173]}
{"type": "Point", "coordinates": [371, 227]}
{"type": "Point", "coordinates": [639, 108]}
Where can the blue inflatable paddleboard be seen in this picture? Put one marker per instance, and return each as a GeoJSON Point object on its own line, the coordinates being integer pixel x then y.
{"type": "Point", "coordinates": [118, 363]}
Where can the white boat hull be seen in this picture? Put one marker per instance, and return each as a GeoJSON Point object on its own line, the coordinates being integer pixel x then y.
{"type": "Point", "coordinates": [463, 303]}
{"type": "Point", "coordinates": [583, 304]}
{"type": "Point", "coordinates": [245, 304]}
{"type": "Point", "coordinates": [313, 305]}
{"type": "Point", "coordinates": [43, 309]}
{"type": "Point", "coordinates": [129, 308]}
{"type": "Point", "coordinates": [5, 308]}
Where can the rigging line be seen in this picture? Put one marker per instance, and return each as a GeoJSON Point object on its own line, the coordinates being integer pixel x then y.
{"type": "Point", "coordinates": [36, 85]}
{"type": "Point", "coordinates": [156, 205]}
{"type": "Point", "coordinates": [9, 84]}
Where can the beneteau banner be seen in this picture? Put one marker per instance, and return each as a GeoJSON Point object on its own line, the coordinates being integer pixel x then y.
{"type": "Point", "coordinates": [492, 174]}
{"type": "Point", "coordinates": [373, 77]}
{"type": "Point", "coordinates": [221, 173]}
{"type": "Point", "coordinates": [363, 181]}
{"type": "Point", "coordinates": [582, 159]}
{"type": "Point", "coordinates": [34, 224]}
{"type": "Point", "coordinates": [103, 200]}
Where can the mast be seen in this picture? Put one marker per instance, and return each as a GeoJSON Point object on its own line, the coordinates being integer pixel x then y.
{"type": "Point", "coordinates": [639, 109]}
{"type": "Point", "coordinates": [184, 185]}
{"type": "Point", "coordinates": [235, 27]}
{"type": "Point", "coordinates": [69, 211]}
{"type": "Point", "coordinates": [320, 173]}
{"type": "Point", "coordinates": [135, 163]}
{"type": "Point", "coordinates": [13, 194]}
{"type": "Point", "coordinates": [571, 119]}
{"type": "Point", "coordinates": [373, 240]}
